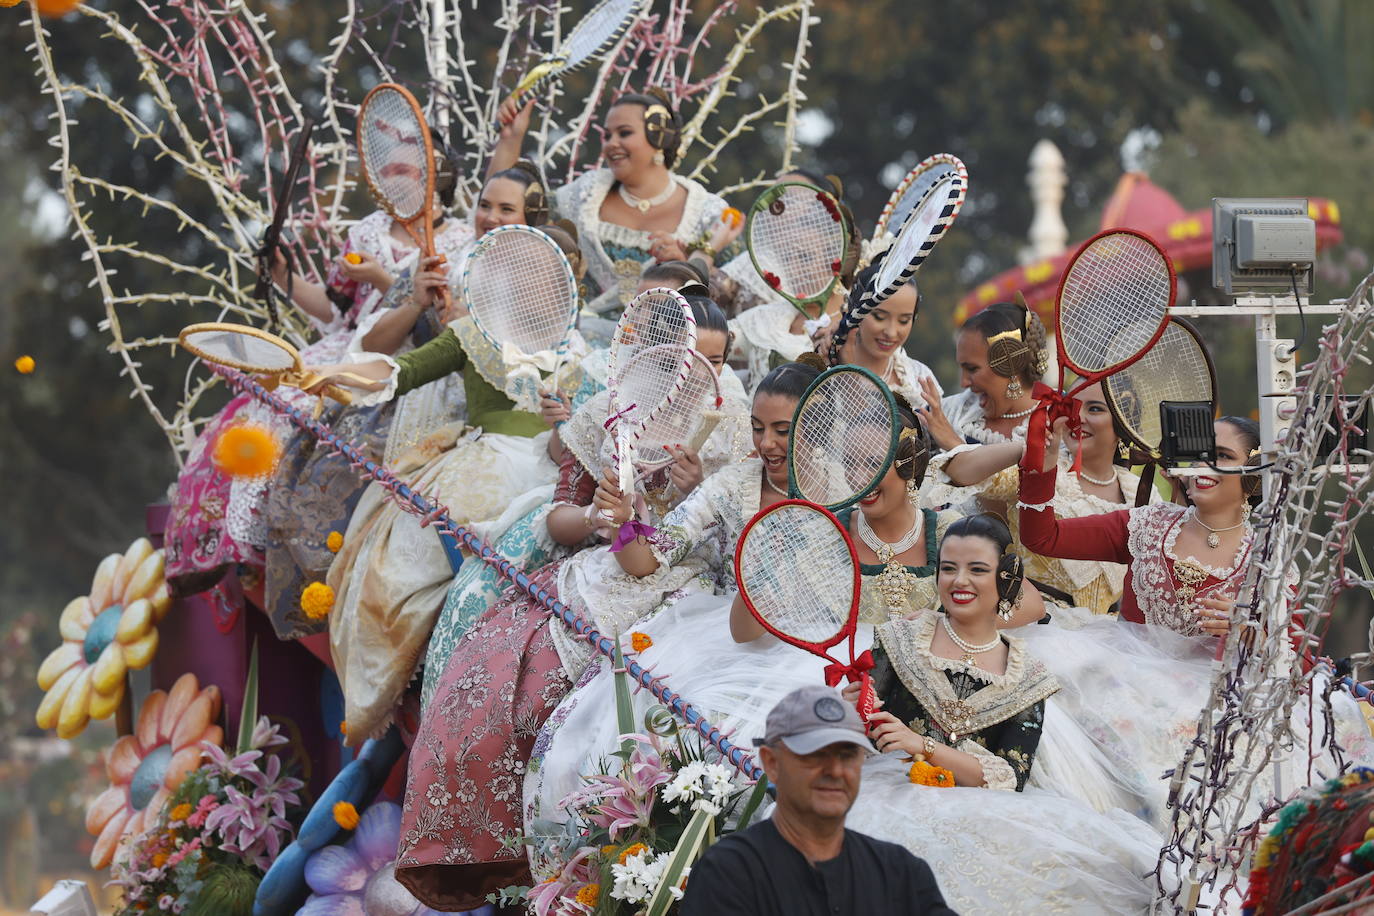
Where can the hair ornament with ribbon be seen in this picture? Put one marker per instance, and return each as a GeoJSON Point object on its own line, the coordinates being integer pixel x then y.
{"type": "Point", "coordinates": [662, 128]}
{"type": "Point", "coordinates": [1011, 576]}
{"type": "Point", "coordinates": [537, 210]}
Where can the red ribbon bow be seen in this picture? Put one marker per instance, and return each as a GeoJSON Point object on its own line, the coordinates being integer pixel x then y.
{"type": "Point", "coordinates": [836, 672]}
{"type": "Point", "coordinates": [1053, 405]}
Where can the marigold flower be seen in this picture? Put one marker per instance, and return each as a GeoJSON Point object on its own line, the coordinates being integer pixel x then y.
{"type": "Point", "coordinates": [925, 774]}
{"type": "Point", "coordinates": [334, 542]}
{"type": "Point", "coordinates": [732, 216]}
{"type": "Point", "coordinates": [640, 641]}
{"type": "Point", "coordinates": [632, 850]}
{"type": "Point", "coordinates": [56, 7]}
{"type": "Point", "coordinates": [24, 364]}
{"type": "Point", "coordinates": [317, 600]}
{"type": "Point", "coordinates": [589, 895]}
{"type": "Point", "coordinates": [345, 815]}
{"type": "Point", "coordinates": [160, 860]}
{"type": "Point", "coordinates": [181, 812]}
{"type": "Point", "coordinates": [353, 258]}
{"type": "Point", "coordinates": [246, 451]}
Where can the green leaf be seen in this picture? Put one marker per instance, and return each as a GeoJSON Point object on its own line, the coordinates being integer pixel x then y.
{"type": "Point", "coordinates": [248, 717]}
{"type": "Point", "coordinates": [624, 709]}
{"type": "Point", "coordinates": [755, 800]}
{"type": "Point", "coordinates": [1364, 564]}
{"type": "Point", "coordinates": [693, 842]}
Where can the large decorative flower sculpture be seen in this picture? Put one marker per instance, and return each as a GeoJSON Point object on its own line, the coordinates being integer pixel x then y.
{"type": "Point", "coordinates": [104, 634]}
{"type": "Point", "coordinates": [145, 768]}
{"type": "Point", "coordinates": [359, 877]}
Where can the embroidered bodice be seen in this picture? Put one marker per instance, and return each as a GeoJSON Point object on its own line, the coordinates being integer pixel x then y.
{"type": "Point", "coordinates": [1168, 587]}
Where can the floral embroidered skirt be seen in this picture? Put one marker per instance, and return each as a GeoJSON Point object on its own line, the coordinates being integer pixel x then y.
{"type": "Point", "coordinates": [463, 792]}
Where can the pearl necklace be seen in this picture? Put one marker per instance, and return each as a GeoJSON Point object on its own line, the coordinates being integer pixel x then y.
{"type": "Point", "coordinates": [968, 648]}
{"type": "Point", "coordinates": [770, 485]}
{"type": "Point", "coordinates": [645, 204]}
{"type": "Point", "coordinates": [1101, 483]}
{"type": "Point", "coordinates": [1214, 534]}
{"type": "Point", "coordinates": [1016, 415]}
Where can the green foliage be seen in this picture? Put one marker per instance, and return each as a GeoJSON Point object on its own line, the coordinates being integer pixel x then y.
{"type": "Point", "coordinates": [228, 891]}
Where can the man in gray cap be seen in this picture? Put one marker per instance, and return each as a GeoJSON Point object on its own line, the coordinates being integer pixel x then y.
{"type": "Point", "coordinates": [803, 861]}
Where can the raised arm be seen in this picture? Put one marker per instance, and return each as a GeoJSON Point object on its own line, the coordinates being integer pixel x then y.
{"type": "Point", "coordinates": [1092, 537]}
{"type": "Point", "coordinates": [977, 464]}
{"type": "Point", "coordinates": [514, 123]}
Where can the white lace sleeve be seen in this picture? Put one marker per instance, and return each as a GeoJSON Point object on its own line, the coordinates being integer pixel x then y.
{"type": "Point", "coordinates": [381, 395]}
{"type": "Point", "coordinates": [997, 773]}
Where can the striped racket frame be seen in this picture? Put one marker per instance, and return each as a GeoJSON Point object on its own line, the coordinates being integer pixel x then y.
{"type": "Point", "coordinates": [630, 419]}
{"type": "Point", "coordinates": [290, 354]}
{"type": "Point", "coordinates": [680, 422]}
{"type": "Point", "coordinates": [828, 410]}
{"type": "Point", "coordinates": [911, 189]}
{"type": "Point", "coordinates": [560, 279]}
{"type": "Point", "coordinates": [418, 217]}
{"type": "Point", "coordinates": [1178, 367]}
{"type": "Point", "coordinates": [818, 269]}
{"type": "Point", "coordinates": [595, 34]}
{"type": "Point", "coordinates": [925, 225]}
{"type": "Point", "coordinates": [1094, 276]}
{"type": "Point", "coordinates": [795, 557]}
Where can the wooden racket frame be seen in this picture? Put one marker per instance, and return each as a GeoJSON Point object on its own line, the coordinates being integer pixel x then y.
{"type": "Point", "coordinates": [295, 377]}
{"type": "Point", "coordinates": [761, 203]}
{"type": "Point", "coordinates": [792, 491]}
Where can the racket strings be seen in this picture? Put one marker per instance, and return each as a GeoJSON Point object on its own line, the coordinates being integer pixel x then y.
{"type": "Point", "coordinates": [797, 570]}
{"type": "Point", "coordinates": [393, 148]}
{"type": "Point", "coordinates": [1174, 369]}
{"type": "Point", "coordinates": [841, 440]}
{"type": "Point", "coordinates": [601, 25]}
{"type": "Point", "coordinates": [799, 244]}
{"type": "Point", "coordinates": [916, 188]}
{"type": "Point", "coordinates": [1114, 299]}
{"type": "Point", "coordinates": [648, 359]}
{"type": "Point", "coordinates": [679, 419]}
{"type": "Point", "coordinates": [520, 291]}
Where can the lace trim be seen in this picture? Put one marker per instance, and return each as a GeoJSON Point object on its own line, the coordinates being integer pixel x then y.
{"type": "Point", "coordinates": [909, 372]}
{"type": "Point", "coordinates": [967, 417]}
{"type": "Point", "coordinates": [1035, 507]}
{"type": "Point", "coordinates": [997, 773]}
{"type": "Point", "coordinates": [1152, 532]}
{"type": "Point", "coordinates": [1024, 683]}
{"type": "Point", "coordinates": [382, 395]}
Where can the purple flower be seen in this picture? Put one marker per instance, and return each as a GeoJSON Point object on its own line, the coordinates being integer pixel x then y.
{"type": "Point", "coordinates": [359, 877]}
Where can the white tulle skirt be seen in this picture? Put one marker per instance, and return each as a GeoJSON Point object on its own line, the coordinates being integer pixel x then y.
{"type": "Point", "coordinates": [731, 684]}
{"type": "Point", "coordinates": [1011, 852]}
{"type": "Point", "coordinates": [1134, 694]}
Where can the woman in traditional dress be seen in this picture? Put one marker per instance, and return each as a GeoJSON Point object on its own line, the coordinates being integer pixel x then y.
{"type": "Point", "coordinates": [217, 520]}
{"type": "Point", "coordinates": [878, 344]}
{"type": "Point", "coordinates": [1002, 353]}
{"type": "Point", "coordinates": [541, 530]}
{"type": "Point", "coordinates": [636, 209]}
{"type": "Point", "coordinates": [1136, 685]}
{"type": "Point", "coordinates": [962, 708]}
{"type": "Point", "coordinates": [314, 490]}
{"type": "Point", "coordinates": [1102, 483]}
{"type": "Point", "coordinates": [505, 676]}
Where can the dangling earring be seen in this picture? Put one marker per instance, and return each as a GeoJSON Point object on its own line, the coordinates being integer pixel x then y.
{"type": "Point", "coordinates": [1004, 609]}
{"type": "Point", "coordinates": [1123, 451]}
{"type": "Point", "coordinates": [913, 493]}
{"type": "Point", "coordinates": [658, 158]}
{"type": "Point", "coordinates": [1014, 390]}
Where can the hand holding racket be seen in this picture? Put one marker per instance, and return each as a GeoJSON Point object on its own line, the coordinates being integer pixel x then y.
{"type": "Point", "coordinates": [258, 352]}
{"type": "Point", "coordinates": [799, 576]}
{"type": "Point", "coordinates": [1113, 305]}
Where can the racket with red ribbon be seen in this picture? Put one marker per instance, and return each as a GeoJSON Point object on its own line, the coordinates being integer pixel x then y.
{"type": "Point", "coordinates": [1113, 305]}
{"type": "Point", "coordinates": [799, 576]}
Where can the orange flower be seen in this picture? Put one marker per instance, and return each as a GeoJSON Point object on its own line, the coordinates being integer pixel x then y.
{"type": "Point", "coordinates": [159, 860]}
{"type": "Point", "coordinates": [246, 451]}
{"type": "Point", "coordinates": [589, 895]}
{"type": "Point", "coordinates": [145, 768]}
{"type": "Point", "coordinates": [317, 600]}
{"type": "Point", "coordinates": [181, 812]}
{"type": "Point", "coordinates": [334, 542]}
{"type": "Point", "coordinates": [345, 815]}
{"type": "Point", "coordinates": [632, 850]}
{"type": "Point", "coordinates": [925, 774]}
{"type": "Point", "coordinates": [732, 216]}
{"type": "Point", "coordinates": [353, 258]}
{"type": "Point", "coordinates": [105, 633]}
{"type": "Point", "coordinates": [24, 364]}
{"type": "Point", "coordinates": [343, 729]}
{"type": "Point", "coordinates": [56, 7]}
{"type": "Point", "coordinates": [640, 641]}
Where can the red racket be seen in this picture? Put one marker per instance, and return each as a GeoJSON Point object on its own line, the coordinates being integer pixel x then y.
{"type": "Point", "coordinates": [799, 576]}
{"type": "Point", "coordinates": [1113, 305]}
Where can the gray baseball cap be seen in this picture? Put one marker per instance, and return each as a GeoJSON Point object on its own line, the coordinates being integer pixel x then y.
{"type": "Point", "coordinates": [813, 717]}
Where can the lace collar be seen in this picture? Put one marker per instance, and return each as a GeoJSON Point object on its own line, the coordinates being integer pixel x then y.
{"type": "Point", "coordinates": [1024, 683]}
{"type": "Point", "coordinates": [967, 417]}
{"type": "Point", "coordinates": [768, 327]}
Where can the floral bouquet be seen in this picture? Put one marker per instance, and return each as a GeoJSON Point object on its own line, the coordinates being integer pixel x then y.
{"type": "Point", "coordinates": [635, 827]}
{"type": "Point", "coordinates": [209, 847]}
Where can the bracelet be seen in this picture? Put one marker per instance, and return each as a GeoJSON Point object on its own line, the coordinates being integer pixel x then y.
{"type": "Point", "coordinates": [929, 747]}
{"type": "Point", "coordinates": [589, 516]}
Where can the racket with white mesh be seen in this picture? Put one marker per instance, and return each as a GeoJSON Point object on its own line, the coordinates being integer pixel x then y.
{"type": "Point", "coordinates": [659, 324]}
{"type": "Point", "coordinates": [397, 158]}
{"type": "Point", "coordinates": [913, 188]}
{"type": "Point", "coordinates": [522, 295]}
{"type": "Point", "coordinates": [843, 438]}
{"type": "Point", "coordinates": [595, 34]}
{"type": "Point", "coordinates": [1177, 368]}
{"type": "Point", "coordinates": [799, 576]}
{"type": "Point", "coordinates": [251, 350]}
{"type": "Point", "coordinates": [694, 410]}
{"type": "Point", "coordinates": [796, 237]}
{"type": "Point", "coordinates": [925, 225]}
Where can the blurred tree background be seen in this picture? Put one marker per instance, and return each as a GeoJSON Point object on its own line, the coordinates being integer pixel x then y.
{"type": "Point", "coordinates": [1211, 98]}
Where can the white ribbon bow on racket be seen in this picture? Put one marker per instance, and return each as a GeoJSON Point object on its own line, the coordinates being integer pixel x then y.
{"type": "Point", "coordinates": [531, 367]}
{"type": "Point", "coordinates": [812, 325]}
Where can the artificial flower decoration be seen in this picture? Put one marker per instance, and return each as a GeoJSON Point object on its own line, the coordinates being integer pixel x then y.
{"type": "Point", "coordinates": [640, 641]}
{"type": "Point", "coordinates": [246, 451]}
{"type": "Point", "coordinates": [317, 600]}
{"type": "Point", "coordinates": [926, 774]}
{"type": "Point", "coordinates": [732, 216]}
{"type": "Point", "coordinates": [334, 542]}
{"type": "Point", "coordinates": [104, 634]}
{"type": "Point", "coordinates": [145, 768]}
{"type": "Point", "coordinates": [24, 364]}
{"type": "Point", "coordinates": [345, 815]}
{"type": "Point", "coordinates": [56, 7]}
{"type": "Point", "coordinates": [5, 3]}
{"type": "Point", "coordinates": [360, 876]}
